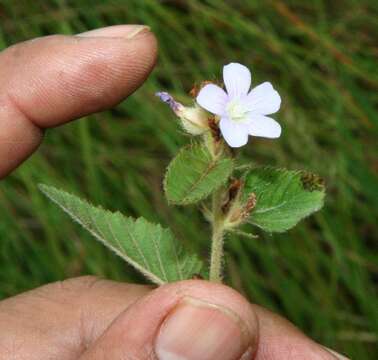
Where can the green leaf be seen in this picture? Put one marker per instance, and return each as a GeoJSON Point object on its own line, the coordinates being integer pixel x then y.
{"type": "Point", "coordinates": [193, 175]}
{"type": "Point", "coordinates": [148, 247]}
{"type": "Point", "coordinates": [283, 197]}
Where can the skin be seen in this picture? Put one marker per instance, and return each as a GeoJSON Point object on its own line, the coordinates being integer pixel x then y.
{"type": "Point", "coordinates": [47, 82]}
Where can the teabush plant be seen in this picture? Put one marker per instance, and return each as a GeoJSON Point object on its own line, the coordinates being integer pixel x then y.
{"type": "Point", "coordinates": [208, 173]}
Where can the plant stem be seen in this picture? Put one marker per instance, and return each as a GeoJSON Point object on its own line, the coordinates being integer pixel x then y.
{"type": "Point", "coordinates": [217, 238]}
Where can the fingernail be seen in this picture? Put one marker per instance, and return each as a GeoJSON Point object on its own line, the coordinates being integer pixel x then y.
{"type": "Point", "coordinates": [337, 355]}
{"type": "Point", "coordinates": [198, 330]}
{"type": "Point", "coordinates": [124, 31]}
{"type": "Point", "coordinates": [142, 29]}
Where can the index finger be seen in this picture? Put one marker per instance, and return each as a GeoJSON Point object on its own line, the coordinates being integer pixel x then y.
{"type": "Point", "coordinates": [49, 81]}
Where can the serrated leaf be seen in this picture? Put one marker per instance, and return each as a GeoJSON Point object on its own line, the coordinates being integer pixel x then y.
{"type": "Point", "coordinates": [283, 197]}
{"type": "Point", "coordinates": [148, 247]}
{"type": "Point", "coordinates": [193, 175]}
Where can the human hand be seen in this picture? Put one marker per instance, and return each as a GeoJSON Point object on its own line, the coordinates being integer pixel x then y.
{"type": "Point", "coordinates": [47, 82]}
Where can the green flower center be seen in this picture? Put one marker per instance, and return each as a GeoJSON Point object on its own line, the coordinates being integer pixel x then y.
{"type": "Point", "coordinates": [236, 111]}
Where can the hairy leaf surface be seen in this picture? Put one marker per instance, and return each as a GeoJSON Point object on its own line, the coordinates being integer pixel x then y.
{"type": "Point", "coordinates": [148, 247]}
{"type": "Point", "coordinates": [193, 175]}
{"type": "Point", "coordinates": [283, 197]}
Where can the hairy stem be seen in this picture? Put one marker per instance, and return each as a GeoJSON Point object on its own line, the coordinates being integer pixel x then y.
{"type": "Point", "coordinates": [216, 259]}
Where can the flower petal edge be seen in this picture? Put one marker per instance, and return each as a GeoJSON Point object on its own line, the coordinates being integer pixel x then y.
{"type": "Point", "coordinates": [264, 126]}
{"type": "Point", "coordinates": [237, 79]}
{"type": "Point", "coordinates": [213, 99]}
{"type": "Point", "coordinates": [236, 135]}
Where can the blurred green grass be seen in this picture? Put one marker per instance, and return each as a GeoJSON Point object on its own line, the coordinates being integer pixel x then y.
{"type": "Point", "coordinates": [321, 55]}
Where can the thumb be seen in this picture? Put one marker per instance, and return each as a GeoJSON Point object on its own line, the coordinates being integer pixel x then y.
{"type": "Point", "coordinates": [51, 80]}
{"type": "Point", "coordinates": [181, 321]}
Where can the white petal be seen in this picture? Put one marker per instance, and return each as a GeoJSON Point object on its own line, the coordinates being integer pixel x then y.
{"type": "Point", "coordinates": [263, 99]}
{"type": "Point", "coordinates": [237, 79]}
{"type": "Point", "coordinates": [235, 134]}
{"type": "Point", "coordinates": [213, 99]}
{"type": "Point", "coordinates": [264, 126]}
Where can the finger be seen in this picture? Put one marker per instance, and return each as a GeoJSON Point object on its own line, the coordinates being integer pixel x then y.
{"type": "Point", "coordinates": [185, 320]}
{"type": "Point", "coordinates": [49, 81]}
{"type": "Point", "coordinates": [280, 340]}
{"type": "Point", "coordinates": [93, 318]}
{"type": "Point", "coordinates": [201, 320]}
{"type": "Point", "coordinates": [60, 320]}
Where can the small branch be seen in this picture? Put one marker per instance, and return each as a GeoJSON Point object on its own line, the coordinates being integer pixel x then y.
{"type": "Point", "coordinates": [208, 215]}
{"type": "Point", "coordinates": [216, 259]}
{"type": "Point", "coordinates": [243, 233]}
{"type": "Point", "coordinates": [244, 167]}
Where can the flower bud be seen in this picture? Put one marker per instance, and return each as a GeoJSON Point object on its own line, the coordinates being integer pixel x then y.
{"type": "Point", "coordinates": [193, 119]}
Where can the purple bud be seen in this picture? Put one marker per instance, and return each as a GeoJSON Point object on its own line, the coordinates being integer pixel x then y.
{"type": "Point", "coordinates": [164, 96]}
{"type": "Point", "coordinates": [168, 99]}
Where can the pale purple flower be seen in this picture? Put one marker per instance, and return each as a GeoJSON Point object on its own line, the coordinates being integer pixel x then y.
{"type": "Point", "coordinates": [242, 112]}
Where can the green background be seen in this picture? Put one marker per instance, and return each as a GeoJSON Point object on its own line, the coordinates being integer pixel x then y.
{"type": "Point", "coordinates": [320, 55]}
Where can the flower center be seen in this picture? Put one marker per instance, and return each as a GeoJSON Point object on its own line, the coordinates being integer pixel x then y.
{"type": "Point", "coordinates": [236, 111]}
